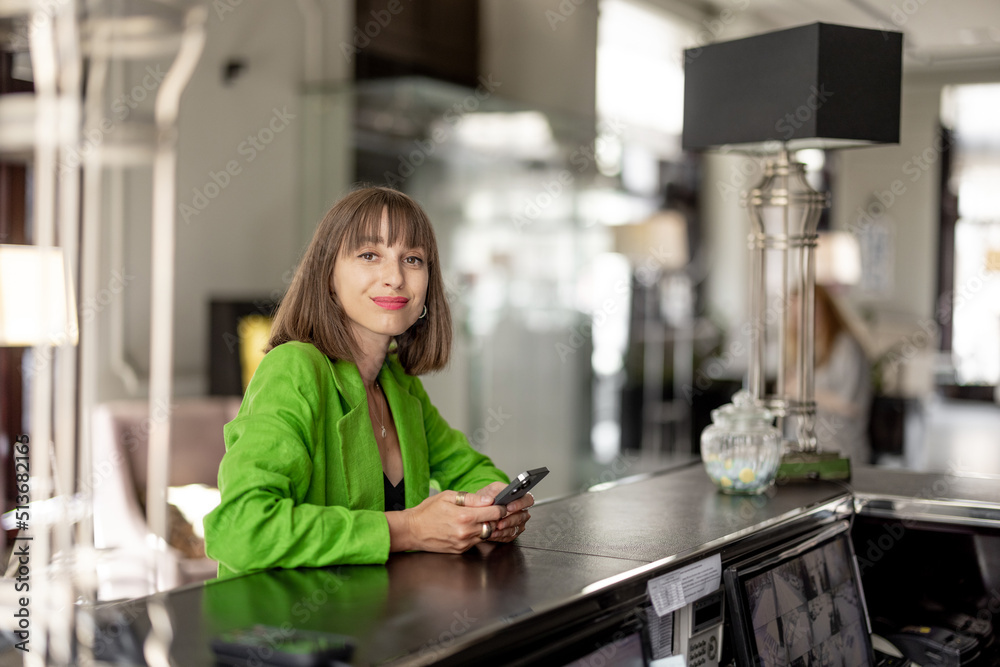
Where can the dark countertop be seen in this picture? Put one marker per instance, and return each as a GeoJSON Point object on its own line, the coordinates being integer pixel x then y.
{"type": "Point", "coordinates": [669, 515]}
{"type": "Point", "coordinates": [581, 556]}
{"type": "Point", "coordinates": [872, 481]}
{"type": "Point", "coordinates": [958, 499]}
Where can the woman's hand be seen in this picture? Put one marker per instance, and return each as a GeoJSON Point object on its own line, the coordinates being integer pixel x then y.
{"type": "Point", "coordinates": [516, 515]}
{"type": "Point", "coordinates": [439, 524]}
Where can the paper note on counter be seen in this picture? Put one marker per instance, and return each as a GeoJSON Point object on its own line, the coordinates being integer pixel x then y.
{"type": "Point", "coordinates": [672, 661]}
{"type": "Point", "coordinates": [676, 589]}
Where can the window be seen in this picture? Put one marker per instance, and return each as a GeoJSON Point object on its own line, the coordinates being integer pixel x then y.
{"type": "Point", "coordinates": [971, 111]}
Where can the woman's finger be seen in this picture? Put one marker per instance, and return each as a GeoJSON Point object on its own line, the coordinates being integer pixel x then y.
{"type": "Point", "coordinates": [510, 534]}
{"type": "Point", "coordinates": [515, 519]}
{"type": "Point", "coordinates": [522, 503]}
{"type": "Point", "coordinates": [472, 498]}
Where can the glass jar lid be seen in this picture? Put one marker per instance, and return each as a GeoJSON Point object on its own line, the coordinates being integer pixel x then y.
{"type": "Point", "coordinates": [743, 411]}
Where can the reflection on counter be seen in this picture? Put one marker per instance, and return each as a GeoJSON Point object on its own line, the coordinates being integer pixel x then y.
{"type": "Point", "coordinates": [575, 587]}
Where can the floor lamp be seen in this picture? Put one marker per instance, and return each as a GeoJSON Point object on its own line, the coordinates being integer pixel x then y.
{"type": "Point", "coordinates": [38, 310]}
{"type": "Point", "coordinates": [815, 86]}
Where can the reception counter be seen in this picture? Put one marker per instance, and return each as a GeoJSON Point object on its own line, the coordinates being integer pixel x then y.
{"type": "Point", "coordinates": [566, 587]}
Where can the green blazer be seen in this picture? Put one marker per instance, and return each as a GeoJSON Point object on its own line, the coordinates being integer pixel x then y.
{"type": "Point", "coordinates": [301, 479]}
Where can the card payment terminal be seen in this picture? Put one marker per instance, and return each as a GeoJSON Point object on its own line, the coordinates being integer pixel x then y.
{"type": "Point", "coordinates": [698, 630]}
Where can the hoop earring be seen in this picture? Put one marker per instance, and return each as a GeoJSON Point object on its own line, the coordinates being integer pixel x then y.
{"type": "Point", "coordinates": [423, 314]}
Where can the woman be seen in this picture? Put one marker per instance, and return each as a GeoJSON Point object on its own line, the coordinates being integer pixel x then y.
{"type": "Point", "coordinates": [841, 380]}
{"type": "Point", "coordinates": [330, 458]}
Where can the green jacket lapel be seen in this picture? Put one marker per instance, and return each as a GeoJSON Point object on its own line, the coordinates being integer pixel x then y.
{"type": "Point", "coordinates": [358, 450]}
{"type": "Point", "coordinates": [407, 415]}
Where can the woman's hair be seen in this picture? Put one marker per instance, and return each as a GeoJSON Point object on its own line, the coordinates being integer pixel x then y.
{"type": "Point", "coordinates": [309, 313]}
{"type": "Point", "coordinates": [829, 320]}
{"type": "Point", "coordinates": [834, 323]}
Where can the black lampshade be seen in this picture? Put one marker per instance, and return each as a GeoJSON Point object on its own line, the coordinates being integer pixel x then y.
{"type": "Point", "coordinates": [818, 85]}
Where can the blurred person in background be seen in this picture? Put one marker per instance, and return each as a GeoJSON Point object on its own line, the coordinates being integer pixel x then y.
{"type": "Point", "coordinates": [842, 380]}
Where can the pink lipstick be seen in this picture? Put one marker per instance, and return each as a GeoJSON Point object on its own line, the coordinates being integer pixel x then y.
{"type": "Point", "coordinates": [391, 302]}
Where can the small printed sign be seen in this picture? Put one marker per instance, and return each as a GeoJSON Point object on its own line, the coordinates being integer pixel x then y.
{"type": "Point", "coordinates": [676, 589]}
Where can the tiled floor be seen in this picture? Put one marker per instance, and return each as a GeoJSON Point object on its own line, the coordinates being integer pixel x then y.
{"type": "Point", "coordinates": [952, 436]}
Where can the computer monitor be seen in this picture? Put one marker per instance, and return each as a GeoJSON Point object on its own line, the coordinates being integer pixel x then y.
{"type": "Point", "coordinates": [800, 604]}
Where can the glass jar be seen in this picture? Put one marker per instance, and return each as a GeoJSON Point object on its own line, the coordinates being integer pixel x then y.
{"type": "Point", "coordinates": [741, 449]}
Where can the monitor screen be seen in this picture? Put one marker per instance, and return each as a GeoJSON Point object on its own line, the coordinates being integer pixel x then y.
{"type": "Point", "coordinates": [801, 605]}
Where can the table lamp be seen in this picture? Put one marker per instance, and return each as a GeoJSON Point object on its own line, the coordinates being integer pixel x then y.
{"type": "Point", "coordinates": [813, 86]}
{"type": "Point", "coordinates": [36, 308]}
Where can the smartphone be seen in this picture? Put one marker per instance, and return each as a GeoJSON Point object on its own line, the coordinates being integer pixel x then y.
{"type": "Point", "coordinates": [521, 485]}
{"type": "Point", "coordinates": [267, 645]}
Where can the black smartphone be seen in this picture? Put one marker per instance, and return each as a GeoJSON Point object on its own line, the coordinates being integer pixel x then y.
{"type": "Point", "coordinates": [520, 485]}
{"type": "Point", "coordinates": [267, 645]}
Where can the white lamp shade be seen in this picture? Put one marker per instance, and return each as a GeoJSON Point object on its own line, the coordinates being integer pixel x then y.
{"type": "Point", "coordinates": [660, 242]}
{"type": "Point", "coordinates": [36, 305]}
{"type": "Point", "coordinates": [838, 259]}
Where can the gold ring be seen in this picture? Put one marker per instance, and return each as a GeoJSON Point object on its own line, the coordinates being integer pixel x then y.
{"type": "Point", "coordinates": [460, 498]}
{"type": "Point", "coordinates": [485, 533]}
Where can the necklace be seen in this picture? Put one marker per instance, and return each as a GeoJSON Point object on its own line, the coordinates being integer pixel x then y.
{"type": "Point", "coordinates": [381, 422]}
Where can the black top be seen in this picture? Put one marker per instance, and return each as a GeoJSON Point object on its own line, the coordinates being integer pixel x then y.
{"type": "Point", "coordinates": [395, 496]}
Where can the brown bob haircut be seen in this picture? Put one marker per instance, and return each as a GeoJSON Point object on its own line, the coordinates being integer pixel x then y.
{"type": "Point", "coordinates": [309, 313]}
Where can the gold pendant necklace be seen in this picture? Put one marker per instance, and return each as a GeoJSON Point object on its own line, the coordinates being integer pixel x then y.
{"type": "Point", "coordinates": [381, 422]}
